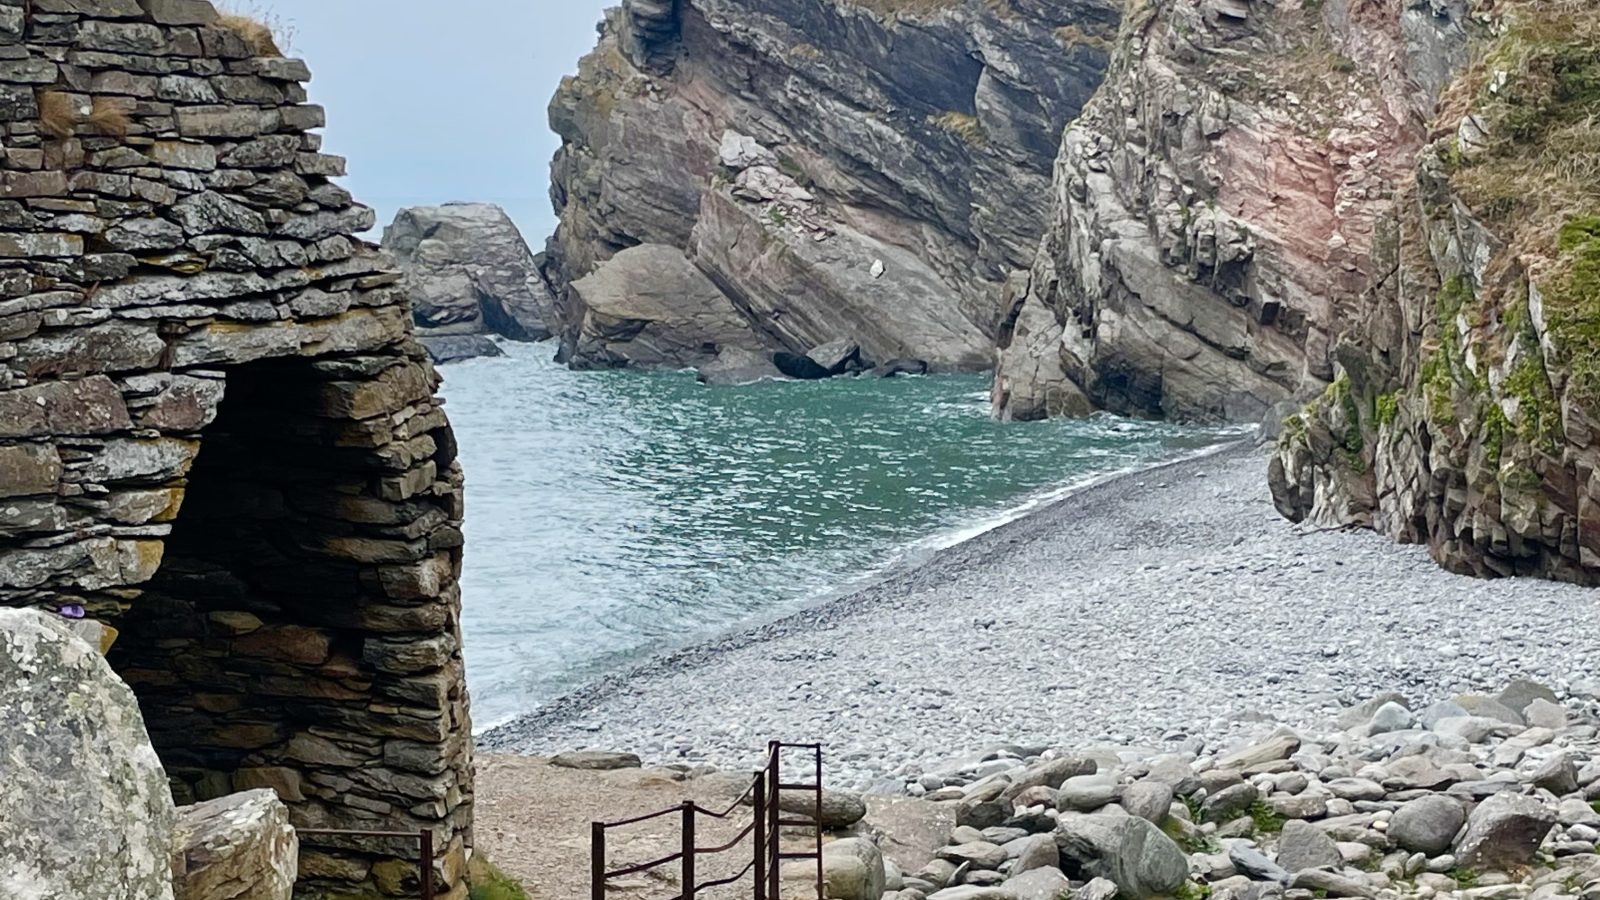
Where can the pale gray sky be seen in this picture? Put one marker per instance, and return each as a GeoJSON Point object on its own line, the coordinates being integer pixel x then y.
{"type": "Point", "coordinates": [436, 101]}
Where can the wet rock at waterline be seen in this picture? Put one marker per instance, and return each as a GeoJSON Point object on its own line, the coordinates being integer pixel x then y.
{"type": "Point", "coordinates": [454, 348]}
{"type": "Point", "coordinates": [737, 365]}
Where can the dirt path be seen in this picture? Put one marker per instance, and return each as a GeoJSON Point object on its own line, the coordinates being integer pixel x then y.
{"type": "Point", "coordinates": [532, 820]}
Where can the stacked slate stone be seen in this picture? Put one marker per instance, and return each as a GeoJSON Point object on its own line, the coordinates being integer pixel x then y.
{"type": "Point", "coordinates": [218, 435]}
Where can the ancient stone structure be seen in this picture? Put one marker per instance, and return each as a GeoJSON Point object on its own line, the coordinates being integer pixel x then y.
{"type": "Point", "coordinates": [864, 171]}
{"type": "Point", "coordinates": [218, 435]}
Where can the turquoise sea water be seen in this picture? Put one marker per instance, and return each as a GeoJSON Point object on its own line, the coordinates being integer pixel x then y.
{"type": "Point", "coordinates": [612, 515]}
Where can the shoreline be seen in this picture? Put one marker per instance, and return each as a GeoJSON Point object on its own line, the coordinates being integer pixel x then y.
{"type": "Point", "coordinates": [1163, 605]}
{"type": "Point", "coordinates": [912, 555]}
{"type": "Point", "coordinates": [565, 707]}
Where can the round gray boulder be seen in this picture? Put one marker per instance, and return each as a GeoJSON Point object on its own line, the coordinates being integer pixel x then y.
{"type": "Point", "coordinates": [852, 869]}
{"type": "Point", "coordinates": [1427, 824]}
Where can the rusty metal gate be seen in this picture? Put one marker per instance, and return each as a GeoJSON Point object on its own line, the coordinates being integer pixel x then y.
{"type": "Point", "coordinates": [765, 850]}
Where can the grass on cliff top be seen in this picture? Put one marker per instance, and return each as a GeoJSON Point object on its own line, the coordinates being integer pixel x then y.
{"type": "Point", "coordinates": [1535, 179]}
{"type": "Point", "coordinates": [1536, 92]}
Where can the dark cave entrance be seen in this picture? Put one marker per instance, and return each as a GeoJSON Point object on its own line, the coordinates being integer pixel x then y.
{"type": "Point", "coordinates": [242, 645]}
{"type": "Point", "coordinates": [302, 632]}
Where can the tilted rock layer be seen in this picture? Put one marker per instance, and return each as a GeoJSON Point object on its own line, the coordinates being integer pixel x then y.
{"type": "Point", "coordinates": [218, 436]}
{"type": "Point", "coordinates": [867, 171]}
{"type": "Point", "coordinates": [1465, 412]}
{"type": "Point", "coordinates": [1213, 205]}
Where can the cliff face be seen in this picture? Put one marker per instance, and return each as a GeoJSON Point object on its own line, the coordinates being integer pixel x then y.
{"type": "Point", "coordinates": [1216, 202]}
{"type": "Point", "coordinates": [1465, 412]}
{"type": "Point", "coordinates": [871, 171]}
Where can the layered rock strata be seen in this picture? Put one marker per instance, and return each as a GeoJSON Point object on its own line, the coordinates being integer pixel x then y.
{"type": "Point", "coordinates": [470, 274]}
{"type": "Point", "coordinates": [1465, 411]}
{"type": "Point", "coordinates": [870, 172]}
{"type": "Point", "coordinates": [1214, 204]}
{"type": "Point", "coordinates": [218, 435]}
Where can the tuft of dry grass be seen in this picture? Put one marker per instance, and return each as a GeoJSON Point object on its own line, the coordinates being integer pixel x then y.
{"type": "Point", "coordinates": [1076, 36]}
{"type": "Point", "coordinates": [966, 127]}
{"type": "Point", "coordinates": [255, 32]}
{"type": "Point", "coordinates": [1536, 91]}
{"type": "Point", "coordinates": [110, 117]}
{"type": "Point", "coordinates": [58, 114]}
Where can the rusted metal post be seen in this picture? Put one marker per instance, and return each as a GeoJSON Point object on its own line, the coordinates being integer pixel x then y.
{"type": "Point", "coordinates": [427, 864]}
{"type": "Point", "coordinates": [819, 822]}
{"type": "Point", "coordinates": [759, 824]}
{"type": "Point", "coordinates": [688, 850]}
{"type": "Point", "coordinates": [597, 861]}
{"type": "Point", "coordinates": [774, 753]}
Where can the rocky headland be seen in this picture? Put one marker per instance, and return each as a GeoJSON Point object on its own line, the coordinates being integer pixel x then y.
{"type": "Point", "coordinates": [470, 275]}
{"type": "Point", "coordinates": [1208, 210]}
{"type": "Point", "coordinates": [816, 172]}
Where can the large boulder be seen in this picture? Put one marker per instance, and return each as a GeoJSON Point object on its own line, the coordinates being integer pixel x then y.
{"type": "Point", "coordinates": [1503, 832]}
{"type": "Point", "coordinates": [852, 869]}
{"type": "Point", "coordinates": [470, 272]}
{"type": "Point", "coordinates": [1427, 824]}
{"type": "Point", "coordinates": [238, 847]}
{"type": "Point", "coordinates": [86, 810]}
{"type": "Point", "coordinates": [448, 348]}
{"type": "Point", "coordinates": [650, 307]}
{"type": "Point", "coordinates": [1129, 851]}
{"type": "Point", "coordinates": [1045, 883]}
{"type": "Point", "coordinates": [600, 760]}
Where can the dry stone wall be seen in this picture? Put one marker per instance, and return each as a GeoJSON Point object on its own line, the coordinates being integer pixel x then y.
{"type": "Point", "coordinates": [218, 435]}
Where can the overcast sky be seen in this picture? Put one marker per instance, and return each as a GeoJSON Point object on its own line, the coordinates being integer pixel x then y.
{"type": "Point", "coordinates": [436, 101]}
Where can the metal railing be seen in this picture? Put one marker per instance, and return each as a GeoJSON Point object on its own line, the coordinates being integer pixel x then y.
{"type": "Point", "coordinates": [766, 821]}
{"type": "Point", "coordinates": [423, 837]}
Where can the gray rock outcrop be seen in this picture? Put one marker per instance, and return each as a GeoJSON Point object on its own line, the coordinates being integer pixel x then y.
{"type": "Point", "coordinates": [1129, 851]}
{"type": "Point", "coordinates": [1211, 207]}
{"type": "Point", "coordinates": [238, 847]}
{"type": "Point", "coordinates": [1464, 413]}
{"type": "Point", "coordinates": [86, 811]}
{"type": "Point", "coordinates": [470, 272]}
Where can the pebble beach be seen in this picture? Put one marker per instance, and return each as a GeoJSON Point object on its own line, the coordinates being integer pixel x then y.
{"type": "Point", "coordinates": [1170, 608]}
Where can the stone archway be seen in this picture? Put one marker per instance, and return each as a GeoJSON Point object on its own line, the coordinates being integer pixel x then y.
{"type": "Point", "coordinates": [218, 435]}
{"type": "Point", "coordinates": [301, 631]}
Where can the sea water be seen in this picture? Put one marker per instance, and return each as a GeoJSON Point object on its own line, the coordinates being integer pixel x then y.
{"type": "Point", "coordinates": [613, 515]}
